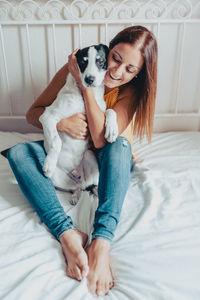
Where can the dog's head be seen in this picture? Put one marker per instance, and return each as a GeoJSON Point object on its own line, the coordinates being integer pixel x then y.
{"type": "Point", "coordinates": [92, 62]}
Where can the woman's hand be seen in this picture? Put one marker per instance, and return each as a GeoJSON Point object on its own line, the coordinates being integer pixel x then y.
{"type": "Point", "coordinates": [75, 126]}
{"type": "Point", "coordinates": [73, 67]}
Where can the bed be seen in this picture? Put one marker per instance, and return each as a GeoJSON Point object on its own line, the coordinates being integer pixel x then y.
{"type": "Point", "coordinates": [155, 254]}
{"type": "Point", "coordinates": [156, 250]}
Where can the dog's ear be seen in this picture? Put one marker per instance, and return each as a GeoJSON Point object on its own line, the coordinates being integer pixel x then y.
{"type": "Point", "coordinates": [105, 48]}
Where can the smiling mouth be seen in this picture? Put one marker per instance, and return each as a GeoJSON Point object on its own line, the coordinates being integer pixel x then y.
{"type": "Point", "coordinates": [114, 78]}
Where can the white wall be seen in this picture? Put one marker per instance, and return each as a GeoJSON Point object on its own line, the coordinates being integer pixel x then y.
{"type": "Point", "coordinates": [31, 54]}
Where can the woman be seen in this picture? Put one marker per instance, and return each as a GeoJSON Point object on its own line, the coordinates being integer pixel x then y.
{"type": "Point", "coordinates": [130, 89]}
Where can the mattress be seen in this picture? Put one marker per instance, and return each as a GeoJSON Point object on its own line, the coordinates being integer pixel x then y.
{"type": "Point", "coordinates": [155, 254]}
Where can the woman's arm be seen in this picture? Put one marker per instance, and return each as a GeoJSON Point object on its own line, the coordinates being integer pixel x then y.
{"type": "Point", "coordinates": [96, 118]}
{"type": "Point", "coordinates": [47, 97]}
{"type": "Point", "coordinates": [75, 126]}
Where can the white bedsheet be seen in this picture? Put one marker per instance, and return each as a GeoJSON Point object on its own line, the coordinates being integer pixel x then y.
{"type": "Point", "coordinates": [156, 252]}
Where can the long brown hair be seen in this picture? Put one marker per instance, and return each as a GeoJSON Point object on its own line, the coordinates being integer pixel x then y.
{"type": "Point", "coordinates": [145, 83]}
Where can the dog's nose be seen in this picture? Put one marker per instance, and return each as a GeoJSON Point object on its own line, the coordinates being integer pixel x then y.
{"type": "Point", "coordinates": [89, 79]}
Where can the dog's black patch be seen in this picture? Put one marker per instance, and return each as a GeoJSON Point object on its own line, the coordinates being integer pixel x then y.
{"type": "Point", "coordinates": [90, 189]}
{"type": "Point", "coordinates": [82, 58]}
{"type": "Point", "coordinates": [101, 60]}
{"type": "Point", "coordinates": [102, 56]}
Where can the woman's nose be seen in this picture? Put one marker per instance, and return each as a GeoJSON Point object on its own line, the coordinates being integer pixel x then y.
{"type": "Point", "coordinates": [118, 71]}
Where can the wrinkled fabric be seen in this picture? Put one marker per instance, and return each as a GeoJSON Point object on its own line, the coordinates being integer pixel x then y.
{"type": "Point", "coordinates": [155, 254]}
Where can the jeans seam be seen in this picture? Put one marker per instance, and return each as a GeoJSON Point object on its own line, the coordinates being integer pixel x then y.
{"type": "Point", "coordinates": [103, 235]}
{"type": "Point", "coordinates": [125, 148]}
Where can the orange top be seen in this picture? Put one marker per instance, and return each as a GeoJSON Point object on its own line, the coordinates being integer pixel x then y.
{"type": "Point", "coordinates": [110, 99]}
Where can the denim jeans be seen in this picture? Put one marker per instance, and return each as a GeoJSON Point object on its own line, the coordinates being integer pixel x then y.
{"type": "Point", "coordinates": [115, 165]}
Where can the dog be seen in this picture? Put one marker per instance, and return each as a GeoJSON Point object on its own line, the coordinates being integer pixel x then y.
{"type": "Point", "coordinates": [69, 163]}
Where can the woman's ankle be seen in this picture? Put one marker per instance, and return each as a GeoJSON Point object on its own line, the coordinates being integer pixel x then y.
{"type": "Point", "coordinates": [73, 237]}
{"type": "Point", "coordinates": [101, 243]}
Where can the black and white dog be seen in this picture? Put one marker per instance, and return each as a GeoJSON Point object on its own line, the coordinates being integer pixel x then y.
{"type": "Point", "coordinates": [69, 163]}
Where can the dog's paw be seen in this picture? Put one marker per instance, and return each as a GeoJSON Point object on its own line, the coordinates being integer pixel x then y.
{"type": "Point", "coordinates": [75, 197]}
{"type": "Point", "coordinates": [111, 126]}
{"type": "Point", "coordinates": [49, 166]}
{"type": "Point", "coordinates": [92, 189]}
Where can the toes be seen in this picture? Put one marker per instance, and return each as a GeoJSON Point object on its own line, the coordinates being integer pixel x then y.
{"type": "Point", "coordinates": [107, 288]}
{"type": "Point", "coordinates": [83, 267]}
{"type": "Point", "coordinates": [92, 288]}
{"type": "Point", "coordinates": [74, 273]}
{"type": "Point", "coordinates": [99, 287]}
{"type": "Point", "coordinates": [84, 271]}
{"type": "Point", "coordinates": [111, 284]}
{"type": "Point", "coordinates": [100, 291]}
{"type": "Point", "coordinates": [77, 273]}
{"type": "Point", "coordinates": [70, 273]}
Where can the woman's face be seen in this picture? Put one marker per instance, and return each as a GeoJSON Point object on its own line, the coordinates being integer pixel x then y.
{"type": "Point", "coordinates": [124, 63]}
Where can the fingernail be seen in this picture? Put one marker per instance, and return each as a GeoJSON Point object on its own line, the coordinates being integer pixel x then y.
{"type": "Point", "coordinates": [80, 277]}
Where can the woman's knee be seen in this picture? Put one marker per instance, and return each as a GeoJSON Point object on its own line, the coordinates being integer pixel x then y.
{"type": "Point", "coordinates": [116, 155]}
{"type": "Point", "coordinates": [17, 153]}
{"type": "Point", "coordinates": [118, 148]}
{"type": "Point", "coordinates": [22, 151]}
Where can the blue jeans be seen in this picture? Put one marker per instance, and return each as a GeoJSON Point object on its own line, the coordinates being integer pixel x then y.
{"type": "Point", "coordinates": [115, 165]}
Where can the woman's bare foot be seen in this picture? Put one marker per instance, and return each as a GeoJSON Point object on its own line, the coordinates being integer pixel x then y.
{"type": "Point", "coordinates": [100, 279]}
{"type": "Point", "coordinates": [72, 242]}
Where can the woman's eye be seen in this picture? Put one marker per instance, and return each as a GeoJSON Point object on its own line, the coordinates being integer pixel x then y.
{"type": "Point", "coordinates": [83, 63]}
{"type": "Point", "coordinates": [84, 60]}
{"type": "Point", "coordinates": [130, 71]}
{"type": "Point", "coordinates": [115, 59]}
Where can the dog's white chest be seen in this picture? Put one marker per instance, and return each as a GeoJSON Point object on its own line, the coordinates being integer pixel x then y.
{"type": "Point", "coordinates": [66, 157]}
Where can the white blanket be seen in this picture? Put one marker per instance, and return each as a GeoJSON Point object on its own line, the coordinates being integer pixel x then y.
{"type": "Point", "coordinates": [156, 251]}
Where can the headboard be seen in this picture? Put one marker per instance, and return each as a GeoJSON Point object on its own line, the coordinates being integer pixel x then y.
{"type": "Point", "coordinates": [37, 36]}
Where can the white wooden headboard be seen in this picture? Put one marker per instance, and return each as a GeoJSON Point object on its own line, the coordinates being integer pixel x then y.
{"type": "Point", "coordinates": [37, 36]}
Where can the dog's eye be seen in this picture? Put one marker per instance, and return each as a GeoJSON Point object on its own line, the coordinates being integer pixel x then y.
{"type": "Point", "coordinates": [83, 61]}
{"type": "Point", "coordinates": [100, 61]}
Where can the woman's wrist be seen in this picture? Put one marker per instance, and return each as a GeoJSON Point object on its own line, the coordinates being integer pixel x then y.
{"type": "Point", "coordinates": [60, 126]}
{"type": "Point", "coordinates": [86, 92]}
